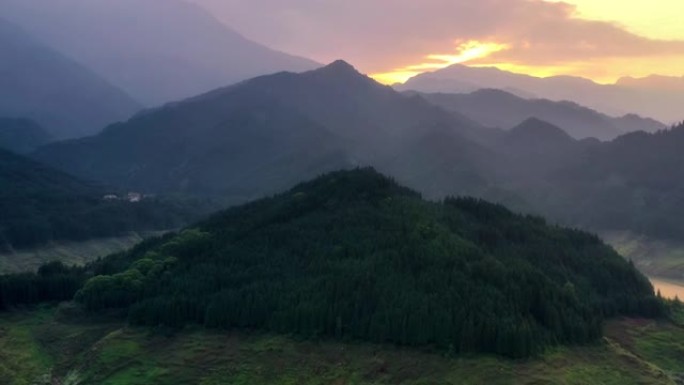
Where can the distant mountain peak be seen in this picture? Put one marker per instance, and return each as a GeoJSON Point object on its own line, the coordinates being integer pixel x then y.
{"type": "Point", "coordinates": [535, 128]}
{"type": "Point", "coordinates": [339, 68]}
{"type": "Point", "coordinates": [341, 65]}
{"type": "Point", "coordinates": [354, 185]}
{"type": "Point", "coordinates": [344, 75]}
{"type": "Point", "coordinates": [498, 108]}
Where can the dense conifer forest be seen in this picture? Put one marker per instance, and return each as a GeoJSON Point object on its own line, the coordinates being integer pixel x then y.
{"type": "Point", "coordinates": [352, 255]}
{"type": "Point", "coordinates": [40, 205]}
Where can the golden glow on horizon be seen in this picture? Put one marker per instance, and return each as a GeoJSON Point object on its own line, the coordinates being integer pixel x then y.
{"type": "Point", "coordinates": [609, 71]}
{"type": "Point", "coordinates": [466, 52]}
{"type": "Point", "coordinates": [655, 19]}
{"type": "Point", "coordinates": [537, 71]}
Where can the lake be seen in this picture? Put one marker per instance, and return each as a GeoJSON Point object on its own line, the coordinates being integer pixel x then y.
{"type": "Point", "coordinates": [669, 289]}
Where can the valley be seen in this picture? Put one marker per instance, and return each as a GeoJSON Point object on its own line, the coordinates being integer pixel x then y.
{"type": "Point", "coordinates": [70, 253]}
{"type": "Point", "coordinates": [187, 196]}
{"type": "Point", "coordinates": [54, 345]}
{"type": "Point", "coordinates": [654, 257]}
{"type": "Point", "coordinates": [661, 260]}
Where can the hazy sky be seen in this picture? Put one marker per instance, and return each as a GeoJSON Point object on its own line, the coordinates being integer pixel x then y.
{"type": "Point", "coordinates": [392, 39]}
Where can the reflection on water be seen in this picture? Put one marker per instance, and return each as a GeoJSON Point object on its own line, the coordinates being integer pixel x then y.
{"type": "Point", "coordinates": [669, 289]}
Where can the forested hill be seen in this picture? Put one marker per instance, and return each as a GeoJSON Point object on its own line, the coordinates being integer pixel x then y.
{"type": "Point", "coordinates": [39, 205]}
{"type": "Point", "coordinates": [634, 183]}
{"type": "Point", "coordinates": [354, 255]}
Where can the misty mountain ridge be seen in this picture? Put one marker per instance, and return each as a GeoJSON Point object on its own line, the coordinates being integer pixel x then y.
{"type": "Point", "coordinates": [156, 50]}
{"type": "Point", "coordinates": [40, 84]}
{"type": "Point", "coordinates": [262, 135]}
{"type": "Point", "coordinates": [615, 100]}
{"type": "Point", "coordinates": [540, 131]}
{"type": "Point", "coordinates": [501, 109]}
{"type": "Point", "coordinates": [654, 82]}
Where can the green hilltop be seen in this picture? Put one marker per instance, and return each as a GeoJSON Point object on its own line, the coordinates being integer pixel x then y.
{"type": "Point", "coordinates": [354, 256]}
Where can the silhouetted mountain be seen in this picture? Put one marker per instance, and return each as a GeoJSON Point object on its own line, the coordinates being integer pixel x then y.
{"type": "Point", "coordinates": [156, 50]}
{"type": "Point", "coordinates": [501, 109]}
{"type": "Point", "coordinates": [615, 100]}
{"type": "Point", "coordinates": [263, 135]}
{"type": "Point", "coordinates": [260, 136]}
{"type": "Point", "coordinates": [40, 205]}
{"type": "Point", "coordinates": [354, 255]}
{"type": "Point", "coordinates": [22, 135]}
{"type": "Point", "coordinates": [536, 133]}
{"type": "Point", "coordinates": [67, 99]}
{"type": "Point", "coordinates": [532, 150]}
{"type": "Point", "coordinates": [654, 82]}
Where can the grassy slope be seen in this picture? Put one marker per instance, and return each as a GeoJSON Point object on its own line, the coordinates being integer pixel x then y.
{"type": "Point", "coordinates": [70, 253]}
{"type": "Point", "coordinates": [37, 345]}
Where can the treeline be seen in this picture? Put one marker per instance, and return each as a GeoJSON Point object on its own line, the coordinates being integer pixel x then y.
{"type": "Point", "coordinates": [40, 205]}
{"type": "Point", "coordinates": [53, 282]}
{"type": "Point", "coordinates": [352, 255]}
{"type": "Point", "coordinates": [43, 219]}
{"type": "Point", "coordinates": [56, 282]}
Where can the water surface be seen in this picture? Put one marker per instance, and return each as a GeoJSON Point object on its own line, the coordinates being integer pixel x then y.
{"type": "Point", "coordinates": [669, 289]}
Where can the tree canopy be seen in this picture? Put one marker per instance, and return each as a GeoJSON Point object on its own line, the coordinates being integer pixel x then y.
{"type": "Point", "coordinates": [354, 255]}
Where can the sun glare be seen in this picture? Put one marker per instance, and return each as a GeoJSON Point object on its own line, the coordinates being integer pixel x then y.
{"type": "Point", "coordinates": [659, 19]}
{"type": "Point", "coordinates": [465, 52]}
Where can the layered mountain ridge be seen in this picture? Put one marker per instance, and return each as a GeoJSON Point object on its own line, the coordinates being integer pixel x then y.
{"type": "Point", "coordinates": [41, 84]}
{"type": "Point", "coordinates": [260, 136]}
{"type": "Point", "coordinates": [158, 51]}
{"type": "Point", "coordinates": [612, 99]}
{"type": "Point", "coordinates": [496, 108]}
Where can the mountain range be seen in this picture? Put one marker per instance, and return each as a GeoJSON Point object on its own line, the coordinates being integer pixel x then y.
{"type": "Point", "coordinates": [260, 136]}
{"type": "Point", "coordinates": [39, 83]}
{"type": "Point", "coordinates": [157, 51]}
{"type": "Point", "coordinates": [497, 108]}
{"type": "Point", "coordinates": [625, 97]}
{"type": "Point", "coordinates": [438, 231]}
{"type": "Point", "coordinates": [632, 183]}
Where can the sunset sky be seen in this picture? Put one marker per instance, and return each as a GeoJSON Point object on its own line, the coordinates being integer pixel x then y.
{"type": "Point", "coordinates": [395, 39]}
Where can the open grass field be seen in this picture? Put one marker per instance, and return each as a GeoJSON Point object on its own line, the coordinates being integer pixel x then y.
{"type": "Point", "coordinates": [45, 346]}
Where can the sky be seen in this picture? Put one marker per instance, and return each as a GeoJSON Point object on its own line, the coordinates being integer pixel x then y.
{"type": "Point", "coordinates": [393, 40]}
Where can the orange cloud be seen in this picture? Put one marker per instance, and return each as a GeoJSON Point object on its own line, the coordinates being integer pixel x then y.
{"type": "Point", "coordinates": [540, 37]}
{"type": "Point", "coordinates": [465, 52]}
